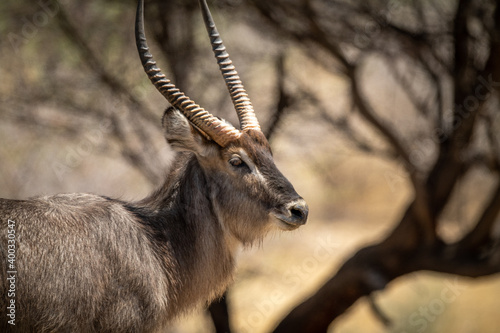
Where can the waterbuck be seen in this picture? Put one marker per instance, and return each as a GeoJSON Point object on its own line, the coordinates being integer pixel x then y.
{"type": "Point", "coordinates": [89, 263]}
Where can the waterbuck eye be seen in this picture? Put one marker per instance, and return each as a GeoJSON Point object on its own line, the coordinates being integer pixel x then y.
{"type": "Point", "coordinates": [237, 162]}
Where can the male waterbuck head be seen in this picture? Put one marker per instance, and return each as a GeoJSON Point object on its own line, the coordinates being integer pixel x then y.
{"type": "Point", "coordinates": [90, 263]}
{"type": "Point", "coordinates": [251, 193]}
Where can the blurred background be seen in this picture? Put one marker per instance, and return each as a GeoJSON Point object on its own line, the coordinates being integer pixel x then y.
{"type": "Point", "coordinates": [383, 114]}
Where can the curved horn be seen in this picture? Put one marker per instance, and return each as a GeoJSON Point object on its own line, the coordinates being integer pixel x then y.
{"type": "Point", "coordinates": [220, 131]}
{"type": "Point", "coordinates": [239, 96]}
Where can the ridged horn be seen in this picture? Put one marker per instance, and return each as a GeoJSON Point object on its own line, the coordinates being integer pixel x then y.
{"type": "Point", "coordinates": [216, 129]}
{"type": "Point", "coordinates": [239, 96]}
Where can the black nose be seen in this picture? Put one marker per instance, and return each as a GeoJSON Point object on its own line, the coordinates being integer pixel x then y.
{"type": "Point", "coordinates": [298, 211]}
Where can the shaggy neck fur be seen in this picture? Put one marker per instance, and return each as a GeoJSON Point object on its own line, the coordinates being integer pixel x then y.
{"type": "Point", "coordinates": [188, 235]}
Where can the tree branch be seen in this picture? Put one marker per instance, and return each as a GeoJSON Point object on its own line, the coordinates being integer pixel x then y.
{"type": "Point", "coordinates": [91, 59]}
{"type": "Point", "coordinates": [476, 239]}
{"type": "Point", "coordinates": [421, 208]}
{"type": "Point", "coordinates": [284, 99]}
{"type": "Point", "coordinates": [220, 315]}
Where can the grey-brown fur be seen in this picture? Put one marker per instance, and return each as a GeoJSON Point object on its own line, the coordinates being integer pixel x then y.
{"type": "Point", "coordinates": [88, 263]}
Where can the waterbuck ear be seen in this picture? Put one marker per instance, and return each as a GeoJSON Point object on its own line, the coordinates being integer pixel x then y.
{"type": "Point", "coordinates": [182, 135]}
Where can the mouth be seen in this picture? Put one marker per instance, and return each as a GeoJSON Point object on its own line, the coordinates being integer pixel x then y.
{"type": "Point", "coordinates": [287, 223]}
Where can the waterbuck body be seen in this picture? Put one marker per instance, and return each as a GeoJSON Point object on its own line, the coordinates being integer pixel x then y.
{"type": "Point", "coordinates": [89, 263]}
